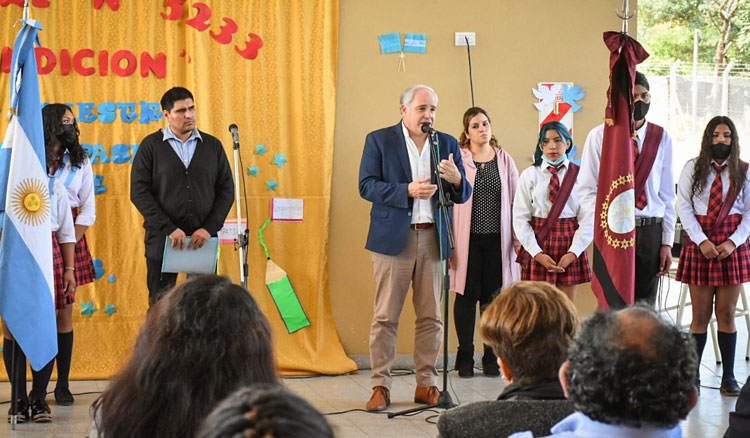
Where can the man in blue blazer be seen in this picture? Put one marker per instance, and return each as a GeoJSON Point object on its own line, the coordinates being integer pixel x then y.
{"type": "Point", "coordinates": [408, 238]}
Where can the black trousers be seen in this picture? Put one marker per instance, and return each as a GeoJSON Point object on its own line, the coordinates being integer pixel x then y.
{"type": "Point", "coordinates": [647, 246]}
{"type": "Point", "coordinates": [483, 281]}
{"type": "Point", "coordinates": [158, 283]}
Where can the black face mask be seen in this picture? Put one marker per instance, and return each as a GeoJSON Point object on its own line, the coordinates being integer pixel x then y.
{"type": "Point", "coordinates": [69, 135]}
{"type": "Point", "coordinates": [720, 151]}
{"type": "Point", "coordinates": [640, 109]}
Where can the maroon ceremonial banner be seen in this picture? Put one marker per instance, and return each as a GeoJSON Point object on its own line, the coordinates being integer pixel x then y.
{"type": "Point", "coordinates": [614, 224]}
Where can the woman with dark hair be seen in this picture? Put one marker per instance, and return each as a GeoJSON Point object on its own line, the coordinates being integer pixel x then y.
{"type": "Point", "coordinates": [713, 200]}
{"type": "Point", "coordinates": [68, 164]}
{"type": "Point", "coordinates": [548, 218]}
{"type": "Point", "coordinates": [482, 261]}
{"type": "Point", "coordinates": [265, 411]}
{"type": "Point", "coordinates": [205, 339]}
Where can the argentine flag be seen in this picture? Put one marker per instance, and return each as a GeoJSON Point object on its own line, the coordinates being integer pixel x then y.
{"type": "Point", "coordinates": [26, 281]}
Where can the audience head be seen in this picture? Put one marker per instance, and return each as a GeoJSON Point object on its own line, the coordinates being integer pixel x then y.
{"type": "Point", "coordinates": [201, 341]}
{"type": "Point", "coordinates": [265, 411]}
{"type": "Point", "coordinates": [529, 326]}
{"type": "Point", "coordinates": [631, 367]}
{"type": "Point", "coordinates": [477, 125]}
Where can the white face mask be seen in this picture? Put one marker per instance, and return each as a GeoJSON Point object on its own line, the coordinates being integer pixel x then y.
{"type": "Point", "coordinates": [553, 163]}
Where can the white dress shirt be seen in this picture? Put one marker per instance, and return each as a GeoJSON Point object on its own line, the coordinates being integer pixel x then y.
{"type": "Point", "coordinates": [421, 211]}
{"type": "Point", "coordinates": [532, 200]}
{"type": "Point", "coordinates": [659, 184]}
{"type": "Point", "coordinates": [79, 183]}
{"type": "Point", "coordinates": [61, 219]}
{"type": "Point", "coordinates": [699, 205]}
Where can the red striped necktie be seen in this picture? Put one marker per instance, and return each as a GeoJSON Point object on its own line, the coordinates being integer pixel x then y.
{"type": "Point", "coordinates": [554, 183]}
{"type": "Point", "coordinates": [714, 199]}
{"type": "Point", "coordinates": [642, 200]}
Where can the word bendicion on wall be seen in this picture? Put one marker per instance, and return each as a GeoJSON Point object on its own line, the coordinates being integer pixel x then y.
{"type": "Point", "coordinates": [122, 63]}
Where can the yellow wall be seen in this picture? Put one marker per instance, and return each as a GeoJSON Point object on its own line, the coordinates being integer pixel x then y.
{"type": "Point", "coordinates": [519, 43]}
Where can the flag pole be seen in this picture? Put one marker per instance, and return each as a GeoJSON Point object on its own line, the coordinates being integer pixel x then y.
{"type": "Point", "coordinates": [26, 10]}
{"type": "Point", "coordinates": [625, 15]}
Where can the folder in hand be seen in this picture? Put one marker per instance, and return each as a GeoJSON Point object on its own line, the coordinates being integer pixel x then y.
{"type": "Point", "coordinates": [191, 261]}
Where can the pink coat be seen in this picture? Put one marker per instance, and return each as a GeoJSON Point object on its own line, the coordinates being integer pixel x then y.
{"type": "Point", "coordinates": [462, 223]}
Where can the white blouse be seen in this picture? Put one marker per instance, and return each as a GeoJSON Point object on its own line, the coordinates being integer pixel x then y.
{"type": "Point", "coordinates": [79, 183]}
{"type": "Point", "coordinates": [532, 200]}
{"type": "Point", "coordinates": [699, 205]}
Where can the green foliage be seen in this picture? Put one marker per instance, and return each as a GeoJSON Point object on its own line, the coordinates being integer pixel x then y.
{"type": "Point", "coordinates": [666, 29]}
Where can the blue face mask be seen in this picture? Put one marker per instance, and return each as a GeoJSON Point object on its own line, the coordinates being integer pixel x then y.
{"type": "Point", "coordinates": [554, 163]}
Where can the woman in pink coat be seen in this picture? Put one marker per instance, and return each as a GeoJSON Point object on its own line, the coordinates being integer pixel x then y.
{"type": "Point", "coordinates": [484, 258]}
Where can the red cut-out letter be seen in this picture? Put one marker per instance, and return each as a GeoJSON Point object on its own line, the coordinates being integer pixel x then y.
{"type": "Point", "coordinates": [251, 47]}
{"type": "Point", "coordinates": [158, 65]}
{"type": "Point", "coordinates": [175, 10]}
{"type": "Point", "coordinates": [119, 56]}
{"type": "Point", "coordinates": [7, 57]}
{"type": "Point", "coordinates": [113, 4]}
{"type": "Point", "coordinates": [103, 63]}
{"type": "Point", "coordinates": [227, 30]}
{"type": "Point", "coordinates": [64, 62]}
{"type": "Point", "coordinates": [45, 60]}
{"type": "Point", "coordinates": [200, 21]}
{"type": "Point", "coordinates": [78, 62]}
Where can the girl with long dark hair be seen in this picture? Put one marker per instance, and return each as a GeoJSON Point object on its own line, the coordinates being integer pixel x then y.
{"type": "Point", "coordinates": [68, 164]}
{"type": "Point", "coordinates": [713, 200]}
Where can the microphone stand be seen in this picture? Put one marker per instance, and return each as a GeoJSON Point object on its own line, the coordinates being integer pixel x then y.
{"type": "Point", "coordinates": [444, 400]}
{"type": "Point", "coordinates": [243, 237]}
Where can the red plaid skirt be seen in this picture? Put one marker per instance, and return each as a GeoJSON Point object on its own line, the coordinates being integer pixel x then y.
{"type": "Point", "coordinates": [58, 269]}
{"type": "Point", "coordinates": [556, 245]}
{"type": "Point", "coordinates": [85, 272]}
{"type": "Point", "coordinates": [694, 268]}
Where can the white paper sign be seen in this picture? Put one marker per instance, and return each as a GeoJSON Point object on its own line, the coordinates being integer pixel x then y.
{"type": "Point", "coordinates": [228, 233]}
{"type": "Point", "coordinates": [287, 210]}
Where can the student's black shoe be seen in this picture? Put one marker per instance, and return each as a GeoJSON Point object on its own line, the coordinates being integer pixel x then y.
{"type": "Point", "coordinates": [465, 363]}
{"type": "Point", "coordinates": [489, 363]}
{"type": "Point", "coordinates": [22, 411]}
{"type": "Point", "coordinates": [730, 387]}
{"type": "Point", "coordinates": [40, 411]}
{"type": "Point", "coordinates": [63, 397]}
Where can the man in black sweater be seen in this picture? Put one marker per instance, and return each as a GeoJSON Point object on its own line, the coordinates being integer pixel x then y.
{"type": "Point", "coordinates": [181, 183]}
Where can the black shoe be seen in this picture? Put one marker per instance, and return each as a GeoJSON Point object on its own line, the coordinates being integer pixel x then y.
{"type": "Point", "coordinates": [40, 411]}
{"type": "Point", "coordinates": [730, 387]}
{"type": "Point", "coordinates": [63, 397]}
{"type": "Point", "coordinates": [489, 363]}
{"type": "Point", "coordinates": [465, 363]}
{"type": "Point", "coordinates": [22, 411]}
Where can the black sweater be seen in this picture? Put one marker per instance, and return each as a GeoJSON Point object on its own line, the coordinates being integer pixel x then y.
{"type": "Point", "coordinates": [170, 196]}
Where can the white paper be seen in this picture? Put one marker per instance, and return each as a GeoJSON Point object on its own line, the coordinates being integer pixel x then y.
{"type": "Point", "coordinates": [191, 261]}
{"type": "Point", "coordinates": [287, 210]}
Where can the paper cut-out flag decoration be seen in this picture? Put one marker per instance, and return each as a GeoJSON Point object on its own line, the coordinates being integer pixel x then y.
{"type": "Point", "coordinates": [390, 43]}
{"type": "Point", "coordinates": [282, 292]}
{"type": "Point", "coordinates": [415, 42]}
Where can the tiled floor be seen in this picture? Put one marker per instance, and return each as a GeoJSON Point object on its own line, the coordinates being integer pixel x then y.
{"type": "Point", "coordinates": [341, 393]}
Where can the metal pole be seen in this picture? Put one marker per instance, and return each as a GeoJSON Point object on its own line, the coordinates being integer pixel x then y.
{"type": "Point", "coordinates": [725, 89]}
{"type": "Point", "coordinates": [673, 100]}
{"type": "Point", "coordinates": [694, 89]}
{"type": "Point", "coordinates": [240, 231]}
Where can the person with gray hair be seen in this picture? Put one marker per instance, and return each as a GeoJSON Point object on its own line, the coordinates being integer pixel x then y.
{"type": "Point", "coordinates": [396, 174]}
{"type": "Point", "coordinates": [629, 373]}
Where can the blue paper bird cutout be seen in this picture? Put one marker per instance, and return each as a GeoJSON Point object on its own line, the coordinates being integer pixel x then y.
{"type": "Point", "coordinates": [572, 94]}
{"type": "Point", "coordinates": [260, 149]}
{"type": "Point", "coordinates": [279, 160]}
{"type": "Point", "coordinates": [88, 309]}
{"type": "Point", "coordinates": [271, 185]}
{"type": "Point", "coordinates": [253, 170]}
{"type": "Point", "coordinates": [572, 154]}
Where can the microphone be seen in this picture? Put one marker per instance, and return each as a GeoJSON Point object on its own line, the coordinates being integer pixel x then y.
{"type": "Point", "coordinates": [427, 129]}
{"type": "Point", "coordinates": [235, 135]}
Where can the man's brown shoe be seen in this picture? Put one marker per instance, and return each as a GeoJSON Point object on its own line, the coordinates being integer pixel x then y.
{"type": "Point", "coordinates": [427, 395]}
{"type": "Point", "coordinates": [381, 398]}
